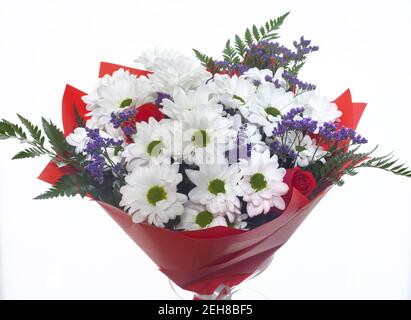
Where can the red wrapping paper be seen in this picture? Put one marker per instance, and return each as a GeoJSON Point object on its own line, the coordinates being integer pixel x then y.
{"type": "Point", "coordinates": [200, 261]}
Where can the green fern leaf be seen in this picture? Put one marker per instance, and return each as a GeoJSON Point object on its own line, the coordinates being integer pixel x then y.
{"type": "Point", "coordinates": [28, 153]}
{"type": "Point", "coordinates": [34, 131]}
{"type": "Point", "coordinates": [256, 34]}
{"type": "Point", "coordinates": [68, 185]}
{"type": "Point", "coordinates": [240, 46]}
{"type": "Point", "coordinates": [55, 136]}
{"type": "Point", "coordinates": [248, 37]}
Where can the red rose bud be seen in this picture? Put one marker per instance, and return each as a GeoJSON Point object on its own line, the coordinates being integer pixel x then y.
{"type": "Point", "coordinates": [302, 180]}
{"type": "Point", "coordinates": [148, 110]}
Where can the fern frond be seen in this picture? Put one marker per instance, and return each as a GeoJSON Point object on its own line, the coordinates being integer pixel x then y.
{"type": "Point", "coordinates": [55, 136]}
{"type": "Point", "coordinates": [68, 185]}
{"type": "Point", "coordinates": [248, 37]}
{"type": "Point", "coordinates": [240, 46]}
{"type": "Point", "coordinates": [230, 54]}
{"type": "Point", "coordinates": [28, 153]}
{"type": "Point", "coordinates": [11, 130]}
{"type": "Point", "coordinates": [34, 130]}
{"type": "Point", "coordinates": [206, 60]}
{"type": "Point", "coordinates": [256, 33]}
{"type": "Point", "coordinates": [386, 163]}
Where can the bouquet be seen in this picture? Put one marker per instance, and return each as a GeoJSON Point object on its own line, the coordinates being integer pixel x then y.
{"type": "Point", "coordinates": [208, 165]}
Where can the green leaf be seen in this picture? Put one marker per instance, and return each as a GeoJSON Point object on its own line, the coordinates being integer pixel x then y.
{"type": "Point", "coordinates": [256, 34]}
{"type": "Point", "coordinates": [230, 54]}
{"type": "Point", "coordinates": [28, 153]}
{"type": "Point", "coordinates": [68, 185]}
{"type": "Point", "coordinates": [11, 130]}
{"type": "Point", "coordinates": [55, 136]}
{"type": "Point", "coordinates": [239, 99]}
{"type": "Point", "coordinates": [34, 131]}
{"type": "Point", "coordinates": [79, 120]}
{"type": "Point", "coordinates": [207, 61]}
{"type": "Point", "coordinates": [240, 46]}
{"type": "Point", "coordinates": [248, 37]}
{"type": "Point", "coordinates": [385, 163]}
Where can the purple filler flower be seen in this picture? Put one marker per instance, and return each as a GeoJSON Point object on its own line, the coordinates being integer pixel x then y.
{"type": "Point", "coordinates": [330, 132]}
{"type": "Point", "coordinates": [96, 148]}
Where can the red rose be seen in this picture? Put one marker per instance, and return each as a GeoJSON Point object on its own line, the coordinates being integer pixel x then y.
{"type": "Point", "coordinates": [302, 180]}
{"type": "Point", "coordinates": [148, 110]}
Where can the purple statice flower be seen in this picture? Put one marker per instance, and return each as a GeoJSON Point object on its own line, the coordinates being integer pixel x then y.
{"type": "Point", "coordinates": [96, 148]}
{"type": "Point", "coordinates": [330, 132]}
{"type": "Point", "coordinates": [356, 138]}
{"type": "Point", "coordinates": [124, 120]}
{"type": "Point", "coordinates": [272, 55]}
{"type": "Point", "coordinates": [327, 130]}
{"type": "Point", "coordinates": [282, 150]}
{"type": "Point", "coordinates": [95, 168]}
{"type": "Point", "coordinates": [271, 79]}
{"type": "Point", "coordinates": [160, 97]}
{"type": "Point", "coordinates": [304, 48]}
{"type": "Point", "coordinates": [294, 81]}
{"type": "Point", "coordinates": [290, 115]}
{"type": "Point", "coordinates": [268, 78]}
{"type": "Point", "coordinates": [117, 119]}
{"type": "Point", "coordinates": [288, 123]}
{"type": "Point", "coordinates": [226, 67]}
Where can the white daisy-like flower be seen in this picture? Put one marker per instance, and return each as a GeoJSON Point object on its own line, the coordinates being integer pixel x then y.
{"type": "Point", "coordinates": [151, 144]}
{"type": "Point", "coordinates": [306, 149]}
{"type": "Point", "coordinates": [205, 136]}
{"type": "Point", "coordinates": [317, 107]}
{"type": "Point", "coordinates": [257, 76]}
{"type": "Point", "coordinates": [78, 139]}
{"type": "Point", "coordinates": [196, 216]}
{"type": "Point", "coordinates": [233, 92]}
{"type": "Point", "coordinates": [115, 92]}
{"type": "Point", "coordinates": [150, 194]}
{"type": "Point", "coordinates": [262, 183]}
{"type": "Point", "coordinates": [278, 77]}
{"type": "Point", "coordinates": [187, 101]}
{"type": "Point", "coordinates": [217, 189]}
{"type": "Point", "coordinates": [271, 103]}
{"type": "Point", "coordinates": [172, 69]}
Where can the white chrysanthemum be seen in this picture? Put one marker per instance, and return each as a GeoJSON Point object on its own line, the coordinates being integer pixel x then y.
{"type": "Point", "coordinates": [205, 136]}
{"type": "Point", "coordinates": [306, 149]}
{"type": "Point", "coordinates": [257, 75]}
{"type": "Point", "coordinates": [216, 189]}
{"type": "Point", "coordinates": [278, 78]}
{"type": "Point", "coordinates": [78, 139]}
{"type": "Point", "coordinates": [172, 69]}
{"type": "Point", "coordinates": [317, 107]}
{"type": "Point", "coordinates": [150, 194]}
{"type": "Point", "coordinates": [115, 92]}
{"type": "Point", "coordinates": [262, 183]}
{"type": "Point", "coordinates": [270, 104]}
{"type": "Point", "coordinates": [196, 216]}
{"type": "Point", "coordinates": [233, 92]}
{"type": "Point", "coordinates": [186, 101]}
{"type": "Point", "coordinates": [151, 144]}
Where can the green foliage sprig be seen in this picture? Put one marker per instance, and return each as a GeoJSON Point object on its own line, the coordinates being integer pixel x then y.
{"type": "Point", "coordinates": [234, 54]}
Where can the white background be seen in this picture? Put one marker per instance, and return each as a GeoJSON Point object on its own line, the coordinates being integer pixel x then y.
{"type": "Point", "coordinates": [355, 245]}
